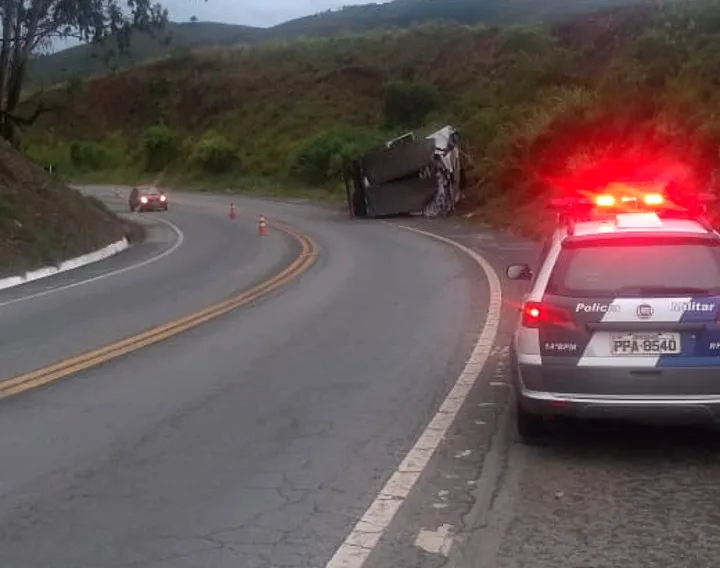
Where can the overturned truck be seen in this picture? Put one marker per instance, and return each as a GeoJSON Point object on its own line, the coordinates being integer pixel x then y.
{"type": "Point", "coordinates": [407, 175]}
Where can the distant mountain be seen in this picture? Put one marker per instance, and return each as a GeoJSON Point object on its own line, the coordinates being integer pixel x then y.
{"type": "Point", "coordinates": [85, 60]}
{"type": "Point", "coordinates": [405, 13]}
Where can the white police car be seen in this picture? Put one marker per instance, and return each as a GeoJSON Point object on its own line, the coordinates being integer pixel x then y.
{"type": "Point", "coordinates": [621, 319]}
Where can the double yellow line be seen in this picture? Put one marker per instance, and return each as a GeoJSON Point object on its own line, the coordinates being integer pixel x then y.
{"type": "Point", "coordinates": [51, 373]}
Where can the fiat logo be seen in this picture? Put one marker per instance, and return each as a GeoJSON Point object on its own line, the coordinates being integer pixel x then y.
{"type": "Point", "coordinates": [644, 311]}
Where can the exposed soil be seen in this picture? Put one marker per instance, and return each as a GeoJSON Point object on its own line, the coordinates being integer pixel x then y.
{"type": "Point", "coordinates": [43, 221]}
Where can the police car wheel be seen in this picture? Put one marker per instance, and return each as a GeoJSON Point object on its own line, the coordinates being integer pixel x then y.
{"type": "Point", "coordinates": [533, 430]}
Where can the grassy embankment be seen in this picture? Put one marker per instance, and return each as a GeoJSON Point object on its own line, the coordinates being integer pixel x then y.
{"type": "Point", "coordinates": [43, 222]}
{"type": "Point", "coordinates": [534, 104]}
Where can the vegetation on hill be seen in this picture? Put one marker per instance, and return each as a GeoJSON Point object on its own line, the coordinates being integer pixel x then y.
{"type": "Point", "coordinates": [537, 105]}
{"type": "Point", "coordinates": [406, 13]}
{"type": "Point", "coordinates": [42, 221]}
{"type": "Point", "coordinates": [84, 61]}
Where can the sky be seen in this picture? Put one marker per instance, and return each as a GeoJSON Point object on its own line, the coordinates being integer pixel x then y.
{"type": "Point", "coordinates": [251, 12]}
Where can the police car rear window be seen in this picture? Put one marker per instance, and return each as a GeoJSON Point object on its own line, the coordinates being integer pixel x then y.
{"type": "Point", "coordinates": [637, 270]}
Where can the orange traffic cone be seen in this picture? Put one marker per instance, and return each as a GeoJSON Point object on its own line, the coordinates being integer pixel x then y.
{"type": "Point", "coordinates": [232, 212]}
{"type": "Point", "coordinates": [262, 226]}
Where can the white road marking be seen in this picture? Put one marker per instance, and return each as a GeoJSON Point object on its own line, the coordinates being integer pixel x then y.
{"type": "Point", "coordinates": [176, 245]}
{"type": "Point", "coordinates": [365, 535]}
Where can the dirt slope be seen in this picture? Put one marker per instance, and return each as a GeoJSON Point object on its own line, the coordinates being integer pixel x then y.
{"type": "Point", "coordinates": [42, 221]}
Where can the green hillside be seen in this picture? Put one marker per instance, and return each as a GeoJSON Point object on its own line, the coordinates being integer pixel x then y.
{"type": "Point", "coordinates": [84, 61]}
{"type": "Point", "coordinates": [405, 13]}
{"type": "Point", "coordinates": [536, 105]}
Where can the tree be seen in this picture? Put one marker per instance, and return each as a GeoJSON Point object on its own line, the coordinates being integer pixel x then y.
{"type": "Point", "coordinates": [32, 26]}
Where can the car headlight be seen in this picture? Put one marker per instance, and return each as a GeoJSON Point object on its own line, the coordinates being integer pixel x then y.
{"type": "Point", "coordinates": [143, 200]}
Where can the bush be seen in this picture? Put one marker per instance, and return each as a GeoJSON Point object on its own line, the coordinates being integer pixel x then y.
{"type": "Point", "coordinates": [215, 153]}
{"type": "Point", "coordinates": [89, 155]}
{"type": "Point", "coordinates": [319, 160]}
{"type": "Point", "coordinates": [160, 145]}
{"type": "Point", "coordinates": [408, 103]}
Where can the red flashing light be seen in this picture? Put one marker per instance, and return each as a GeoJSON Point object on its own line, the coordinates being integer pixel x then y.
{"type": "Point", "coordinates": [654, 199]}
{"type": "Point", "coordinates": [627, 199]}
{"type": "Point", "coordinates": [535, 314]}
{"type": "Point", "coordinates": [608, 200]}
{"type": "Point", "coordinates": [605, 200]}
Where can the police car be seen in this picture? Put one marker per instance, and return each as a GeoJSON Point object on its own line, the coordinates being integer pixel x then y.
{"type": "Point", "coordinates": [622, 317]}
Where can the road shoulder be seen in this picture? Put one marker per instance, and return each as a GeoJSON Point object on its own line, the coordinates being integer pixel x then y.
{"type": "Point", "coordinates": [149, 239]}
{"type": "Point", "coordinates": [444, 507]}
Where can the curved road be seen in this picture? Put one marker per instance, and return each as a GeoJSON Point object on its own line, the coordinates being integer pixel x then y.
{"type": "Point", "coordinates": [299, 430]}
{"type": "Point", "coordinates": [258, 439]}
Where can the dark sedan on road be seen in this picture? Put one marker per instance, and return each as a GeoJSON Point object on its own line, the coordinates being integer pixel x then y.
{"type": "Point", "coordinates": [147, 198]}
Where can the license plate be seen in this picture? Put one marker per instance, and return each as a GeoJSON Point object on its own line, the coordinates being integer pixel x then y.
{"type": "Point", "coordinates": [645, 344]}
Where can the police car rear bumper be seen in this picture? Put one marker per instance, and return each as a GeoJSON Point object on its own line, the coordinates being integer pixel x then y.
{"type": "Point", "coordinates": [691, 394]}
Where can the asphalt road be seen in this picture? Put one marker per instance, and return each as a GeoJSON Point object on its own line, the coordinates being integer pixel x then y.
{"type": "Point", "coordinates": [257, 439]}
{"type": "Point", "coordinates": [260, 439]}
{"type": "Point", "coordinates": [52, 319]}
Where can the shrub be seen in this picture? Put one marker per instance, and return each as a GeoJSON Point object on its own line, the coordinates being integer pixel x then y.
{"type": "Point", "coordinates": [160, 145]}
{"type": "Point", "coordinates": [319, 160]}
{"type": "Point", "coordinates": [408, 103]}
{"type": "Point", "coordinates": [89, 155]}
{"type": "Point", "coordinates": [215, 153]}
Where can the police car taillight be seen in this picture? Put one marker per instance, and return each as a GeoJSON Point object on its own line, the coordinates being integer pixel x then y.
{"type": "Point", "coordinates": [536, 314]}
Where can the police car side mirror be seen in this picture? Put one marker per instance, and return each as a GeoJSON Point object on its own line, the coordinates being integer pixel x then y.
{"type": "Point", "coordinates": [518, 272]}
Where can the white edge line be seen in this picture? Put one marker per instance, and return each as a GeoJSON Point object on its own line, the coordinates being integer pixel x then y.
{"type": "Point", "coordinates": [66, 265]}
{"type": "Point", "coordinates": [176, 245]}
{"type": "Point", "coordinates": [365, 535]}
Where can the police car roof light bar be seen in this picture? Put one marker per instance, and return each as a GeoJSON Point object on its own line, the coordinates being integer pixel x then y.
{"type": "Point", "coordinates": [573, 209]}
